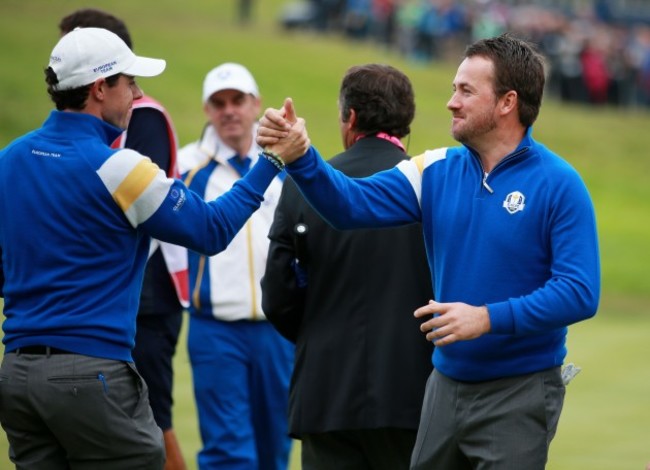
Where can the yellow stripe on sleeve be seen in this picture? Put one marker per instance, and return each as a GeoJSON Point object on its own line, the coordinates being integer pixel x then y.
{"type": "Point", "coordinates": [419, 162]}
{"type": "Point", "coordinates": [135, 183]}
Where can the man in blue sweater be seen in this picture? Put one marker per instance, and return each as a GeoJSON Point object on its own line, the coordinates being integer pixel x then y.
{"type": "Point", "coordinates": [165, 286]}
{"type": "Point", "coordinates": [76, 218]}
{"type": "Point", "coordinates": [511, 240]}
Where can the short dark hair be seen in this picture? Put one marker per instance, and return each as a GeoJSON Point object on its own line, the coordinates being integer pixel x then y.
{"type": "Point", "coordinates": [518, 66]}
{"type": "Point", "coordinates": [71, 99]}
{"type": "Point", "coordinates": [94, 18]}
{"type": "Point", "coordinates": [382, 98]}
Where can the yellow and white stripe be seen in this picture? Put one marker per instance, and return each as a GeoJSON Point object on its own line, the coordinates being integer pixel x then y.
{"type": "Point", "coordinates": [414, 168]}
{"type": "Point", "coordinates": [137, 184]}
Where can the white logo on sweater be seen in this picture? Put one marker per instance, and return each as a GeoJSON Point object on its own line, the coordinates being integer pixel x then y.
{"type": "Point", "coordinates": [514, 202]}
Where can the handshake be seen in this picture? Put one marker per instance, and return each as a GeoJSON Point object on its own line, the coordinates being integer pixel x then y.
{"type": "Point", "coordinates": [282, 133]}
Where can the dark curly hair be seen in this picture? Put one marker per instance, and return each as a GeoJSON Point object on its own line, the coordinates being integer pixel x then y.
{"type": "Point", "coordinates": [95, 18]}
{"type": "Point", "coordinates": [382, 98]}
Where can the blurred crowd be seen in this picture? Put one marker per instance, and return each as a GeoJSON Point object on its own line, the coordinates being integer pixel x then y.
{"type": "Point", "coordinates": [598, 51]}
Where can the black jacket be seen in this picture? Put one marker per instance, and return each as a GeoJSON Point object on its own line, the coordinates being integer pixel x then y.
{"type": "Point", "coordinates": [361, 361]}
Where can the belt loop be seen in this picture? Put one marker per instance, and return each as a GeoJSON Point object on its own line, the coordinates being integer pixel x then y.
{"type": "Point", "coordinates": [48, 351]}
{"type": "Point", "coordinates": [17, 351]}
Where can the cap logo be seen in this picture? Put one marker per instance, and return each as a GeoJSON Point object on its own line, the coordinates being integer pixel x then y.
{"type": "Point", "coordinates": [106, 67]}
{"type": "Point", "coordinates": [514, 202]}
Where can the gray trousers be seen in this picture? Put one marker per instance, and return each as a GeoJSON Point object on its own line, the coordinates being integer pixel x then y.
{"type": "Point", "coordinates": [504, 424]}
{"type": "Point", "coordinates": [68, 411]}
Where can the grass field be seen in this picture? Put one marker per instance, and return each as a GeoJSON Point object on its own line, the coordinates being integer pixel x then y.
{"type": "Point", "coordinates": [605, 423]}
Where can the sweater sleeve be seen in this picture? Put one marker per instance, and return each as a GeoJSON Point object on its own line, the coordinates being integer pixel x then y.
{"type": "Point", "coordinates": [384, 199]}
{"type": "Point", "coordinates": [166, 209]}
{"type": "Point", "coordinates": [2, 275]}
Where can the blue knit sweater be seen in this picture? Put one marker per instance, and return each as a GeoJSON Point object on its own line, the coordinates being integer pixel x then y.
{"type": "Point", "coordinates": [521, 240]}
{"type": "Point", "coordinates": [75, 221]}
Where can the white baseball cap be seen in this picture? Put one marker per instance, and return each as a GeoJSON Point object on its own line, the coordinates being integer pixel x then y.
{"type": "Point", "coordinates": [87, 54]}
{"type": "Point", "coordinates": [229, 76]}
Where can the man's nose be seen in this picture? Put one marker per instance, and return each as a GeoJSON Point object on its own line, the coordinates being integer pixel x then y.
{"type": "Point", "coordinates": [137, 91]}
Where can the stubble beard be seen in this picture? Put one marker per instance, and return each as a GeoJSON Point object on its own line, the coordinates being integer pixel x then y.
{"type": "Point", "coordinates": [474, 127]}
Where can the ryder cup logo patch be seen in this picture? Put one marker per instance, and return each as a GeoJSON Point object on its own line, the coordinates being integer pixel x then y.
{"type": "Point", "coordinates": [514, 202]}
{"type": "Point", "coordinates": [224, 74]}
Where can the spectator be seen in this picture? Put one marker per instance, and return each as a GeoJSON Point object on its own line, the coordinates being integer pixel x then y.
{"type": "Point", "coordinates": [240, 365]}
{"type": "Point", "coordinates": [423, 30]}
{"type": "Point", "coordinates": [244, 11]}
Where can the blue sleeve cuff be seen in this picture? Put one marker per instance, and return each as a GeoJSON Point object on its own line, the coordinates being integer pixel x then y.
{"type": "Point", "coordinates": [501, 318]}
{"type": "Point", "coordinates": [308, 160]}
{"type": "Point", "coordinates": [261, 175]}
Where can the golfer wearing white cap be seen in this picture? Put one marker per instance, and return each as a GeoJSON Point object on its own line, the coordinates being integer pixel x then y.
{"type": "Point", "coordinates": [76, 217]}
{"type": "Point", "coordinates": [241, 366]}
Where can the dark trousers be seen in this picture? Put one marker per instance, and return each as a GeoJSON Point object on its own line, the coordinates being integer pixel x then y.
{"type": "Point", "coordinates": [68, 411]}
{"type": "Point", "coordinates": [504, 424]}
{"type": "Point", "coordinates": [364, 449]}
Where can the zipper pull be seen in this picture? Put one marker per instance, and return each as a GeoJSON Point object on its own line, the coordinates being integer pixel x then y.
{"type": "Point", "coordinates": [485, 185]}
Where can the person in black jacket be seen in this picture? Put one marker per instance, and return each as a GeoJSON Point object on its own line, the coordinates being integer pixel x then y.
{"type": "Point", "coordinates": [347, 299]}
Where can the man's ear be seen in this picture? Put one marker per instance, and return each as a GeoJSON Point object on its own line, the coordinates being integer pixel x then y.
{"type": "Point", "coordinates": [98, 89]}
{"type": "Point", "coordinates": [508, 102]}
{"type": "Point", "coordinates": [352, 119]}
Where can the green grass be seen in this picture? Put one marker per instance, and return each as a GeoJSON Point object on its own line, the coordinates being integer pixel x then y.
{"type": "Point", "coordinates": [604, 425]}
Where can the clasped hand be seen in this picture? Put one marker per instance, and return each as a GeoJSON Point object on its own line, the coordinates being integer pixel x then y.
{"type": "Point", "coordinates": [280, 131]}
